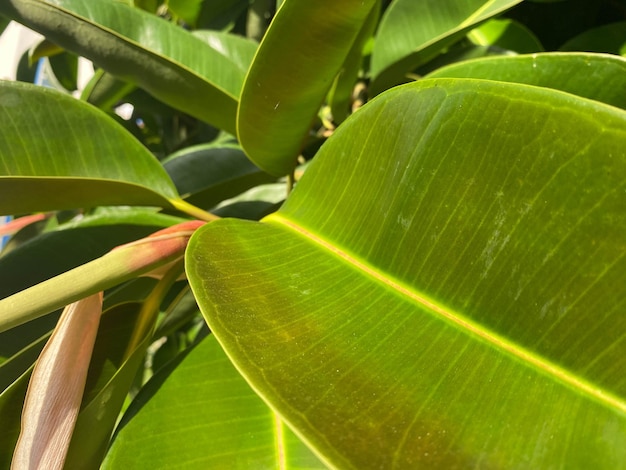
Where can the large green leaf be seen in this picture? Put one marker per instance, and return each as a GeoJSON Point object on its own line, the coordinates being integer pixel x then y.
{"type": "Point", "coordinates": [290, 76]}
{"type": "Point", "coordinates": [199, 413]}
{"type": "Point", "coordinates": [448, 293]}
{"type": "Point", "coordinates": [411, 33]}
{"type": "Point", "coordinates": [164, 59]}
{"type": "Point", "coordinates": [600, 77]}
{"type": "Point", "coordinates": [57, 152]}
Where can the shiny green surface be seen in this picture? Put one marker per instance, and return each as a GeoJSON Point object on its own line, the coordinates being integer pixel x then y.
{"type": "Point", "coordinates": [411, 33]}
{"type": "Point", "coordinates": [57, 153]}
{"type": "Point", "coordinates": [600, 77]}
{"type": "Point", "coordinates": [164, 59]}
{"type": "Point", "coordinates": [449, 293]}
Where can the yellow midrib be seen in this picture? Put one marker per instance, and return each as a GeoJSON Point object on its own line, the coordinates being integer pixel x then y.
{"type": "Point", "coordinates": [496, 340]}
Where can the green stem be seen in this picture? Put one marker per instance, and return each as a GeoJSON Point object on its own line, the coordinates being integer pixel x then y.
{"type": "Point", "coordinates": [193, 211]}
{"type": "Point", "coordinates": [151, 307]}
{"type": "Point", "coordinates": [291, 180]}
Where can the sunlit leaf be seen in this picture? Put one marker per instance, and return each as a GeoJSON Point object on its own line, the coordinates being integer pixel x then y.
{"type": "Point", "coordinates": [57, 152]}
{"type": "Point", "coordinates": [445, 294]}
{"type": "Point", "coordinates": [600, 77]}
{"type": "Point", "coordinates": [162, 58]}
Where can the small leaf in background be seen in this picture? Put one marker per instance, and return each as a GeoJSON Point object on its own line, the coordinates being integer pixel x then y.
{"type": "Point", "coordinates": [56, 388]}
{"type": "Point", "coordinates": [413, 32]}
{"type": "Point", "coordinates": [206, 175]}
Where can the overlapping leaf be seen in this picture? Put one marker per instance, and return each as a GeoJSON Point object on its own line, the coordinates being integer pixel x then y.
{"type": "Point", "coordinates": [290, 76]}
{"type": "Point", "coordinates": [57, 153]}
{"type": "Point", "coordinates": [410, 33]}
{"type": "Point", "coordinates": [600, 77]}
{"type": "Point", "coordinates": [162, 58]}
{"type": "Point", "coordinates": [447, 293]}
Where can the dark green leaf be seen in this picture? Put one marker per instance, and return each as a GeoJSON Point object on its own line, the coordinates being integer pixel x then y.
{"type": "Point", "coordinates": [207, 174]}
{"type": "Point", "coordinates": [164, 59]}
{"type": "Point", "coordinates": [610, 38]}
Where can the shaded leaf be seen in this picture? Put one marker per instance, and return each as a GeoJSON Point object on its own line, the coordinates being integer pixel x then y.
{"type": "Point", "coordinates": [208, 174]}
{"type": "Point", "coordinates": [11, 401]}
{"type": "Point", "coordinates": [610, 38]}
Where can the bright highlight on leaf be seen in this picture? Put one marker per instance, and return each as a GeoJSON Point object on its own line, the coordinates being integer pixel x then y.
{"type": "Point", "coordinates": [56, 388]}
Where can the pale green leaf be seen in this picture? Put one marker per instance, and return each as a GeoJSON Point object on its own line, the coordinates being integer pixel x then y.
{"type": "Point", "coordinates": [447, 293]}
{"type": "Point", "coordinates": [600, 77]}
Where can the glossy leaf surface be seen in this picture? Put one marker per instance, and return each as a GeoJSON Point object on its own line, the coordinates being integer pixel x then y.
{"type": "Point", "coordinates": [286, 86]}
{"type": "Point", "coordinates": [199, 413]}
{"type": "Point", "coordinates": [162, 58]}
{"type": "Point", "coordinates": [57, 152]}
{"type": "Point", "coordinates": [411, 33]}
{"type": "Point", "coordinates": [463, 311]}
{"type": "Point", "coordinates": [600, 77]}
